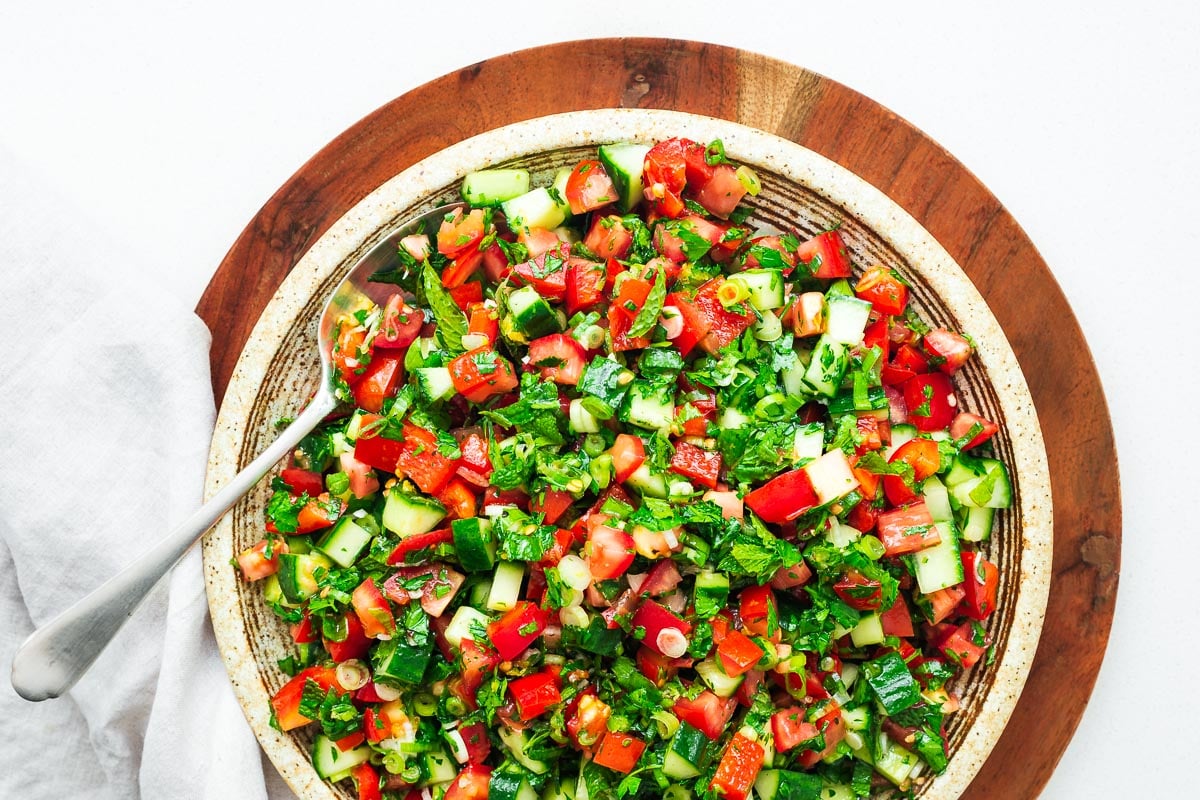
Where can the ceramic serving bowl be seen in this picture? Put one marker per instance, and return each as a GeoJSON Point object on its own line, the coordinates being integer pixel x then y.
{"type": "Point", "coordinates": [278, 370]}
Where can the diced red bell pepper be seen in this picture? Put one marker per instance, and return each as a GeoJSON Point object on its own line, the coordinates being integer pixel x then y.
{"type": "Point", "coordinates": [367, 780]}
{"type": "Point", "coordinates": [377, 451]}
{"type": "Point", "coordinates": [702, 466]}
{"type": "Point", "coordinates": [876, 335]}
{"type": "Point", "coordinates": [481, 373]}
{"type": "Point", "coordinates": [535, 694]}
{"type": "Point", "coordinates": [948, 351]}
{"type": "Point", "coordinates": [286, 702]}
{"type": "Point", "coordinates": [826, 255]}
{"type": "Point", "coordinates": [355, 644]}
{"type": "Point", "coordinates": [458, 498]}
{"type": "Point", "coordinates": [981, 585]}
{"type": "Point", "coordinates": [559, 358]}
{"type": "Point", "coordinates": [420, 461]}
{"type": "Point", "coordinates": [783, 498]}
{"type": "Point", "coordinates": [907, 529]}
{"type": "Point", "coordinates": [303, 481]}
{"type": "Point", "coordinates": [707, 713]}
{"type": "Point", "coordinates": [657, 668]}
{"type": "Point", "coordinates": [931, 401]}
{"type": "Point", "coordinates": [858, 591]}
{"type": "Point", "coordinates": [380, 381]}
{"type": "Point", "coordinates": [966, 422]}
{"type": "Point", "coordinates": [462, 268]}
{"type": "Point", "coordinates": [553, 503]}
{"type": "Point", "coordinates": [418, 542]}
{"type": "Point", "coordinates": [738, 654]}
{"type": "Point", "coordinates": [654, 619]}
{"type": "Point", "coordinates": [373, 610]}
{"type": "Point", "coordinates": [757, 607]}
{"type": "Point", "coordinates": [790, 728]}
{"type": "Point", "coordinates": [517, 629]}
{"type": "Point", "coordinates": [739, 768]}
{"type": "Point", "coordinates": [585, 284]}
{"type": "Point", "coordinates": [961, 648]}
{"type": "Point", "coordinates": [467, 295]}
{"type": "Point", "coordinates": [886, 293]}
{"type": "Point", "coordinates": [619, 751]}
{"type": "Point", "coordinates": [350, 741]}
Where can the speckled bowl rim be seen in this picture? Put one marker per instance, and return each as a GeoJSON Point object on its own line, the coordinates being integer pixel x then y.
{"type": "Point", "coordinates": [362, 224]}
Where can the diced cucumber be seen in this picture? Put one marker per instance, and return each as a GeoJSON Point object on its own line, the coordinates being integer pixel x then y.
{"type": "Point", "coordinates": [792, 379]}
{"type": "Point", "coordinates": [902, 434]}
{"type": "Point", "coordinates": [649, 484]}
{"type": "Point", "coordinates": [648, 406]}
{"type": "Point", "coordinates": [505, 785]}
{"type": "Point", "coordinates": [475, 543]}
{"type": "Point", "coordinates": [490, 187]}
{"type": "Point", "coordinates": [354, 426]}
{"type": "Point", "coordinates": [940, 566]}
{"type": "Point", "coordinates": [710, 593]}
{"type": "Point", "coordinates": [558, 190]}
{"type": "Point", "coordinates": [828, 366]}
{"type": "Point", "coordinates": [528, 316]}
{"type": "Point", "coordinates": [831, 476]}
{"type": "Point", "coordinates": [896, 763]}
{"type": "Point", "coordinates": [992, 489]}
{"type": "Point", "coordinates": [345, 540]}
{"type": "Point", "coordinates": [506, 586]}
{"type": "Point", "coordinates": [462, 622]}
{"type": "Point", "coordinates": [857, 719]}
{"type": "Point", "coordinates": [440, 767]}
{"type": "Point", "coordinates": [534, 209]}
{"type": "Point", "coordinates": [731, 418]}
{"type": "Point", "coordinates": [606, 380]}
{"type": "Point", "coordinates": [937, 500]}
{"type": "Point", "coordinates": [407, 514]}
{"type": "Point", "coordinates": [516, 742]}
{"type": "Point", "coordinates": [434, 384]}
{"type": "Point", "coordinates": [847, 318]}
{"type": "Point", "coordinates": [272, 592]}
{"type": "Point", "coordinates": [869, 630]}
{"type": "Point", "coordinates": [330, 760]}
{"type": "Point", "coordinates": [303, 544]}
{"type": "Point", "coordinates": [624, 164]}
{"type": "Point", "coordinates": [849, 401]}
{"type": "Point", "coordinates": [764, 286]}
{"type": "Point", "coordinates": [715, 678]}
{"type": "Point", "coordinates": [395, 660]}
{"type": "Point", "coordinates": [778, 784]}
{"type": "Point", "coordinates": [809, 441]}
{"type": "Point", "coordinates": [963, 469]}
{"type": "Point", "coordinates": [559, 789]}
{"type": "Point", "coordinates": [685, 753]}
{"type": "Point", "coordinates": [978, 527]}
{"type": "Point", "coordinates": [297, 576]}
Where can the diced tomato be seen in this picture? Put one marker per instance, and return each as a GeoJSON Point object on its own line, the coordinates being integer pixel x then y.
{"type": "Point", "coordinates": [702, 466]}
{"type": "Point", "coordinates": [609, 552]}
{"type": "Point", "coordinates": [697, 170]}
{"type": "Point", "coordinates": [944, 602]}
{"type": "Point", "coordinates": [725, 324]}
{"type": "Point", "coordinates": [695, 324]}
{"type": "Point", "coordinates": [304, 632]}
{"type": "Point", "coordinates": [907, 529]}
{"type": "Point", "coordinates": [517, 629]}
{"type": "Point", "coordinates": [619, 751]}
{"type": "Point", "coordinates": [377, 451]}
{"type": "Point", "coordinates": [355, 643]}
{"type": "Point", "coordinates": [363, 482]}
{"type": "Point", "coordinates": [739, 767]}
{"type": "Point", "coordinates": [784, 497]}
{"type": "Point", "coordinates": [349, 352]}
{"type": "Point", "coordinates": [663, 577]}
{"type": "Point", "coordinates": [318, 513]}
{"type": "Point", "coordinates": [806, 316]}
{"type": "Point", "coordinates": [303, 481]}
{"type": "Point", "coordinates": [585, 284]}
{"type": "Point", "coordinates": [791, 728]}
{"type": "Point", "coordinates": [483, 320]}
{"type": "Point", "coordinates": [858, 591]}
{"type": "Point", "coordinates": [966, 422]}
{"type": "Point", "coordinates": [931, 401]}
{"type": "Point", "coordinates": [961, 648]}
{"type": "Point", "coordinates": [623, 312]}
{"type": "Point", "coordinates": [948, 350]}
{"type": "Point", "coordinates": [924, 458]}
{"type": "Point", "coordinates": [496, 266]}
{"type": "Point", "coordinates": [897, 620]}
{"type": "Point", "coordinates": [758, 608]}
{"type": "Point", "coordinates": [655, 618]}
{"type": "Point", "coordinates": [459, 232]}
{"type": "Point", "coordinates": [825, 254]}
{"type": "Point", "coordinates": [380, 381]}
{"type": "Point", "coordinates": [738, 654]}
{"type": "Point", "coordinates": [790, 577]}
{"type": "Point", "coordinates": [481, 373]}
{"type": "Point", "coordinates": [981, 585]}
{"type": "Point", "coordinates": [400, 325]}
{"type": "Point", "coordinates": [254, 563]}
{"type": "Point", "coordinates": [559, 358]}
{"type": "Point", "coordinates": [589, 187]}
{"type": "Point", "coordinates": [834, 729]}
{"type": "Point", "coordinates": [546, 272]}
{"type": "Point", "coordinates": [876, 335]}
{"type": "Point", "coordinates": [476, 662]}
{"type": "Point", "coordinates": [418, 542]}
{"type": "Point", "coordinates": [864, 515]}
{"type": "Point", "coordinates": [373, 610]}
{"type": "Point", "coordinates": [475, 457]}
{"type": "Point", "coordinates": [869, 434]}
{"type": "Point", "coordinates": [886, 293]}
{"type": "Point", "coordinates": [628, 453]}
{"type": "Point", "coordinates": [476, 740]}
{"type": "Point", "coordinates": [553, 503]}
{"type": "Point", "coordinates": [535, 694]}
{"type": "Point", "coordinates": [664, 174]}
{"type": "Point", "coordinates": [722, 192]}
{"type": "Point", "coordinates": [420, 461]}
{"type": "Point", "coordinates": [769, 252]}
{"type": "Point", "coordinates": [707, 713]}
{"type": "Point", "coordinates": [657, 668]}
{"type": "Point", "coordinates": [458, 499]}
{"type": "Point", "coordinates": [286, 702]}
{"type": "Point", "coordinates": [467, 295]}
{"type": "Point", "coordinates": [471, 783]}
{"type": "Point", "coordinates": [436, 593]}
{"type": "Point", "coordinates": [608, 237]}
{"type": "Point", "coordinates": [366, 779]}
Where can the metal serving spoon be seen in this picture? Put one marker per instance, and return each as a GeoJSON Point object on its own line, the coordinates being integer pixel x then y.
{"type": "Point", "coordinates": [56, 655]}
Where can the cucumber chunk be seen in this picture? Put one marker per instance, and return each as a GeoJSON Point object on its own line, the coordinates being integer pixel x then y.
{"type": "Point", "coordinates": [491, 187]}
{"type": "Point", "coordinates": [345, 540]}
{"type": "Point", "coordinates": [407, 514]}
{"type": "Point", "coordinates": [328, 760]}
{"type": "Point", "coordinates": [534, 209]}
{"type": "Point", "coordinates": [624, 163]}
{"type": "Point", "coordinates": [940, 566]}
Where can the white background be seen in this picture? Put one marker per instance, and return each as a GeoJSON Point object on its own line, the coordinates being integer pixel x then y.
{"type": "Point", "coordinates": [172, 123]}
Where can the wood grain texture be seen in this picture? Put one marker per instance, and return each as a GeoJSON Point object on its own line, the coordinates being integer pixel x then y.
{"type": "Point", "coordinates": [860, 135]}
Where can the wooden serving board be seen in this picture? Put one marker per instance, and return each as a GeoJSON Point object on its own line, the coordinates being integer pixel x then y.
{"type": "Point", "coordinates": [865, 138]}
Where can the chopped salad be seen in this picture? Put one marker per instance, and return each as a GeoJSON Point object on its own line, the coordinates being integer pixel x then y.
{"type": "Point", "coordinates": [628, 499]}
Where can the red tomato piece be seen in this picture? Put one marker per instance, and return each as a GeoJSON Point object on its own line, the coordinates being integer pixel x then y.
{"type": "Point", "coordinates": [417, 543]}
{"type": "Point", "coordinates": [517, 629]}
{"type": "Point", "coordinates": [876, 335]}
{"type": "Point", "coordinates": [462, 268]}
{"type": "Point", "coordinates": [619, 751]}
{"type": "Point", "coordinates": [784, 497]}
{"type": "Point", "coordinates": [948, 351]}
{"type": "Point", "coordinates": [697, 170]}
{"type": "Point", "coordinates": [286, 702]}
{"type": "Point", "coordinates": [609, 552]}
{"type": "Point", "coordinates": [254, 563]}
{"type": "Point", "coordinates": [738, 654]}
{"type": "Point", "coordinates": [907, 529]}
{"type": "Point", "coordinates": [655, 618]}
{"type": "Point", "coordinates": [702, 466]}
{"type": "Point", "coordinates": [459, 500]}
{"type": "Point", "coordinates": [458, 232]}
{"type": "Point", "coordinates": [559, 358]}
{"type": "Point", "coordinates": [960, 646]}
{"type": "Point", "coordinates": [825, 254]}
{"type": "Point", "coordinates": [886, 293]}
{"type": "Point", "coordinates": [762, 253]}
{"type": "Point", "coordinates": [897, 620]}
{"type": "Point", "coordinates": [721, 193]}
{"type": "Point", "coordinates": [585, 284]}
{"type": "Point", "coordinates": [663, 577]}
{"type": "Point", "coordinates": [546, 272]}
{"type": "Point", "coordinates": [471, 783]}
{"type": "Point", "coordinates": [380, 381]}
{"type": "Point", "coordinates": [944, 602]}
{"type": "Point", "coordinates": [476, 740]}
{"type": "Point", "coordinates": [481, 373]}
{"type": "Point", "coordinates": [400, 325]}
{"type": "Point", "coordinates": [757, 606]}
{"type": "Point", "coordinates": [966, 422]}
{"type": "Point", "coordinates": [707, 713]}
{"type": "Point", "coordinates": [303, 632]}
{"type": "Point", "coordinates": [655, 666]}
{"type": "Point", "coordinates": [790, 577]}
{"type": "Point", "coordinates": [377, 451]}
{"type": "Point", "coordinates": [664, 174]}
{"type": "Point", "coordinates": [738, 769]}
{"type": "Point", "coordinates": [695, 324]}
{"type": "Point", "coordinates": [858, 591]}
{"type": "Point", "coordinates": [981, 585]}
{"type": "Point", "coordinates": [483, 320]}
{"type": "Point", "coordinates": [366, 779]}
{"type": "Point", "coordinates": [420, 461]}
{"type": "Point", "coordinates": [535, 694]}
{"type": "Point", "coordinates": [553, 503]}
{"type": "Point", "coordinates": [589, 187]}
{"type": "Point", "coordinates": [608, 237]}
{"type": "Point", "coordinates": [303, 481]}
{"type": "Point", "coordinates": [791, 728]}
{"type": "Point", "coordinates": [349, 352]}
{"type": "Point", "coordinates": [373, 610]}
{"type": "Point", "coordinates": [924, 458]}
{"type": "Point", "coordinates": [931, 401]}
{"type": "Point", "coordinates": [354, 645]}
{"type": "Point", "coordinates": [466, 295]}
{"type": "Point", "coordinates": [628, 453]}
{"type": "Point", "coordinates": [725, 324]}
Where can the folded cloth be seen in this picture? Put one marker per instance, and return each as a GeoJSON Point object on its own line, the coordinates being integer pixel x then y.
{"type": "Point", "coordinates": [107, 409]}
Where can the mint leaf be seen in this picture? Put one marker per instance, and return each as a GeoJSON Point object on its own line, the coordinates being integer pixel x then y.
{"type": "Point", "coordinates": [451, 323]}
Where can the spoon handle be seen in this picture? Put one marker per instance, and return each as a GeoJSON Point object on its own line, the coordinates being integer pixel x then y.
{"type": "Point", "coordinates": [54, 656]}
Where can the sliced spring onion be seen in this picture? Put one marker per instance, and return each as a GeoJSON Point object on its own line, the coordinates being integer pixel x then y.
{"type": "Point", "coordinates": [769, 328]}
{"type": "Point", "coordinates": [574, 572]}
{"type": "Point", "coordinates": [425, 704]}
{"type": "Point", "coordinates": [387, 693]}
{"type": "Point", "coordinates": [574, 616]}
{"type": "Point", "coordinates": [671, 642]}
{"type": "Point", "coordinates": [666, 722]}
{"type": "Point", "coordinates": [732, 292]}
{"type": "Point", "coordinates": [353, 674]}
{"type": "Point", "coordinates": [749, 179]}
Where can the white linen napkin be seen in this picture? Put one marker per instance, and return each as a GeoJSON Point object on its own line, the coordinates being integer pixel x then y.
{"type": "Point", "coordinates": [106, 406]}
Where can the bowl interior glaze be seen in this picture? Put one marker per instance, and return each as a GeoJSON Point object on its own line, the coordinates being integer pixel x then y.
{"type": "Point", "coordinates": [801, 190]}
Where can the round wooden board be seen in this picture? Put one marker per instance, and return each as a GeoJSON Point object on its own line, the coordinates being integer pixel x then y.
{"type": "Point", "coordinates": [865, 138]}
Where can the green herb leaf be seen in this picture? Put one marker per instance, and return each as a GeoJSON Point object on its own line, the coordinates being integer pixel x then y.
{"type": "Point", "coordinates": [647, 318]}
{"type": "Point", "coordinates": [451, 323]}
